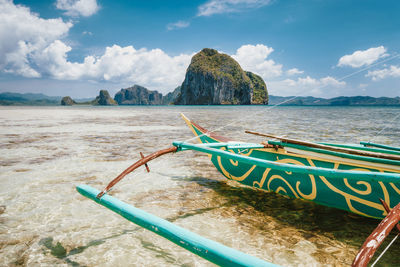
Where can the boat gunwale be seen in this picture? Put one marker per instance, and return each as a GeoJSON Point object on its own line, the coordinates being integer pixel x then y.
{"type": "Point", "coordinates": [369, 144]}
{"type": "Point", "coordinates": [360, 147]}
{"type": "Point", "coordinates": [338, 154]}
{"type": "Point", "coordinates": [330, 173]}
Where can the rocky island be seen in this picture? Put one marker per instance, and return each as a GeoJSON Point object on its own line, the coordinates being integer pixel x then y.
{"type": "Point", "coordinates": [138, 95]}
{"type": "Point", "coordinates": [214, 78]}
{"type": "Point", "coordinates": [103, 99]}
{"type": "Point", "coordinates": [67, 101]}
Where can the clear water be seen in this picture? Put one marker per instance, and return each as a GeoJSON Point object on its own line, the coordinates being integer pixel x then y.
{"type": "Point", "coordinates": [47, 151]}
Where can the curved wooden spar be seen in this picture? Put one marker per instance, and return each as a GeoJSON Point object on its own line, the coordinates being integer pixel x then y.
{"type": "Point", "coordinates": [136, 165]}
{"type": "Point", "coordinates": [377, 237]}
{"type": "Point", "coordinates": [205, 248]}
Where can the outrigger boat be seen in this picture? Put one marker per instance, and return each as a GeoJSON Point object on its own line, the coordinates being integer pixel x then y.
{"type": "Point", "coordinates": [363, 179]}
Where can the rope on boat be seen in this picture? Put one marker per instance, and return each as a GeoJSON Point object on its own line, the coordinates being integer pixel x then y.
{"type": "Point", "coordinates": [290, 99]}
{"type": "Point", "coordinates": [384, 251]}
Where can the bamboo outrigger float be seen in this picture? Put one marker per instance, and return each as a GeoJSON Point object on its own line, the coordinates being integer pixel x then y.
{"type": "Point", "coordinates": [205, 248]}
{"type": "Point", "coordinates": [363, 179]}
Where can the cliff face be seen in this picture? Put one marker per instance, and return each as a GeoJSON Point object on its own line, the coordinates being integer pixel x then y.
{"type": "Point", "coordinates": [104, 99]}
{"type": "Point", "coordinates": [213, 78]}
{"type": "Point", "coordinates": [169, 98]}
{"type": "Point", "coordinates": [259, 94]}
{"type": "Point", "coordinates": [138, 95]}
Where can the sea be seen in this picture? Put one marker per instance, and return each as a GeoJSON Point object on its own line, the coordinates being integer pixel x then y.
{"type": "Point", "coordinates": [45, 152]}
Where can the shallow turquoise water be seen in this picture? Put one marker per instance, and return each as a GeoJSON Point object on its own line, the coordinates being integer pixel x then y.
{"type": "Point", "coordinates": [46, 151]}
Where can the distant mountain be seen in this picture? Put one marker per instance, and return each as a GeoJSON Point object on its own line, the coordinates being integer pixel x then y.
{"type": "Point", "coordinates": [10, 99]}
{"type": "Point", "coordinates": [17, 99]}
{"type": "Point", "coordinates": [30, 99]}
{"type": "Point", "coordinates": [336, 101]}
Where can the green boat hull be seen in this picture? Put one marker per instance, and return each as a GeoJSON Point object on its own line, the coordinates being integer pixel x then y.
{"type": "Point", "coordinates": [357, 194]}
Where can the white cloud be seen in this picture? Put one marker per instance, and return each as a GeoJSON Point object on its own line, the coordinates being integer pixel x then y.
{"type": "Point", "coordinates": [150, 68]}
{"type": "Point", "coordinates": [23, 35]}
{"type": "Point", "coordinates": [363, 87]}
{"type": "Point", "coordinates": [392, 71]}
{"type": "Point", "coordinates": [178, 25]}
{"type": "Point", "coordinates": [228, 6]}
{"type": "Point", "coordinates": [254, 58]}
{"type": "Point", "coordinates": [76, 8]}
{"type": "Point", "coordinates": [363, 58]}
{"type": "Point", "coordinates": [306, 86]}
{"type": "Point", "coordinates": [330, 81]}
{"type": "Point", "coordinates": [294, 71]}
{"type": "Point", "coordinates": [31, 47]}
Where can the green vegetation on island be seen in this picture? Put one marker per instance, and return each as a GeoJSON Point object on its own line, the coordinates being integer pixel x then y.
{"type": "Point", "coordinates": [214, 78]}
{"type": "Point", "coordinates": [103, 99]}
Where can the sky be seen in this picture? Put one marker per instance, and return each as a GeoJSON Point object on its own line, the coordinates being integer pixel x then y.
{"type": "Point", "coordinates": [320, 48]}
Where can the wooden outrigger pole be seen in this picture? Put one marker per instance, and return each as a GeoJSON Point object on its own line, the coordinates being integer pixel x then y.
{"type": "Point", "coordinates": [376, 238]}
{"type": "Point", "coordinates": [326, 147]}
{"type": "Point", "coordinates": [136, 165]}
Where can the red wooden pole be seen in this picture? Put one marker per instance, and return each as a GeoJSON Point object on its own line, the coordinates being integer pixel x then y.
{"type": "Point", "coordinates": [377, 237]}
{"type": "Point", "coordinates": [136, 165]}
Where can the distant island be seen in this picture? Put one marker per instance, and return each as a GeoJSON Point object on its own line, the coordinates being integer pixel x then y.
{"type": "Point", "coordinates": [212, 78]}
{"type": "Point", "coordinates": [29, 99]}
{"type": "Point", "coordinates": [336, 101]}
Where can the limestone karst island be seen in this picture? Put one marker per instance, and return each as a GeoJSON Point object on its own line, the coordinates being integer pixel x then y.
{"type": "Point", "coordinates": [212, 78]}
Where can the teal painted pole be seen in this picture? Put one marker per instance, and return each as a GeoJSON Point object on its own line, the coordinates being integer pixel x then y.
{"type": "Point", "coordinates": [338, 154]}
{"type": "Point", "coordinates": [380, 146]}
{"type": "Point", "coordinates": [366, 148]}
{"type": "Point", "coordinates": [205, 248]}
{"type": "Point", "coordinates": [331, 173]}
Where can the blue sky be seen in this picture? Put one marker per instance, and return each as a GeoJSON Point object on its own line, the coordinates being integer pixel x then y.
{"type": "Point", "coordinates": [319, 48]}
